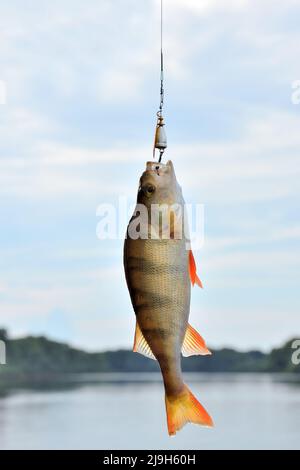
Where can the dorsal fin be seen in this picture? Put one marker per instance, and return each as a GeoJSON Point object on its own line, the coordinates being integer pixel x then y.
{"type": "Point", "coordinates": [193, 271]}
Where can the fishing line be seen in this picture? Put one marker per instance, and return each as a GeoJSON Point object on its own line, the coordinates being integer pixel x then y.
{"type": "Point", "coordinates": [161, 59]}
{"type": "Point", "coordinates": [160, 140]}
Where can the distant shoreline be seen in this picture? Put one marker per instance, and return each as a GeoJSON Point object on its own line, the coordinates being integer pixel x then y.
{"type": "Point", "coordinates": [38, 360]}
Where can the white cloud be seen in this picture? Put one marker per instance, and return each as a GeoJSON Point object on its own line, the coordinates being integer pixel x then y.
{"type": "Point", "coordinates": [21, 122]}
{"type": "Point", "coordinates": [206, 6]}
{"type": "Point", "coordinates": [3, 92]}
{"type": "Point", "coordinates": [268, 235]}
{"type": "Point", "coordinates": [260, 260]}
{"type": "Point", "coordinates": [265, 157]}
{"type": "Point", "coordinates": [3, 288]}
{"type": "Point", "coordinates": [252, 327]}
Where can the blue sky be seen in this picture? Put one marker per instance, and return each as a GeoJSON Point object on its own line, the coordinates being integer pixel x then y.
{"type": "Point", "coordinates": [77, 129]}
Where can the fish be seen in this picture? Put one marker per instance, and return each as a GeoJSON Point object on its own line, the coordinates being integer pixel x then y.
{"type": "Point", "coordinates": [160, 269]}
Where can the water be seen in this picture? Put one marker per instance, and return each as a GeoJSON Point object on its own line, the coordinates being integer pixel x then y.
{"type": "Point", "coordinates": [127, 412]}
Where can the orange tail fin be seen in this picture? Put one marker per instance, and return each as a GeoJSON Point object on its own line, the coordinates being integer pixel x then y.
{"type": "Point", "coordinates": [185, 408]}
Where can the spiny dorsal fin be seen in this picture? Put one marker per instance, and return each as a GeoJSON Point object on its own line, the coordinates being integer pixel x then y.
{"type": "Point", "coordinates": [194, 344]}
{"type": "Point", "coordinates": [140, 344]}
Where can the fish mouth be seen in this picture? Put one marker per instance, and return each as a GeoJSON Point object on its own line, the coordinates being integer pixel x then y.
{"type": "Point", "coordinates": [154, 167]}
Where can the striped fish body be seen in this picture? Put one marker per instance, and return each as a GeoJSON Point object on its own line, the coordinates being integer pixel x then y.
{"type": "Point", "coordinates": [159, 273]}
{"type": "Point", "coordinates": [159, 286]}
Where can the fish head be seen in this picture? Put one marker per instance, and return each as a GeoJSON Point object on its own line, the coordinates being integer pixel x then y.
{"type": "Point", "coordinates": [158, 185]}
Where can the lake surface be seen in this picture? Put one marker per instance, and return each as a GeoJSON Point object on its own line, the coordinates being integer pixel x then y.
{"type": "Point", "coordinates": [127, 412]}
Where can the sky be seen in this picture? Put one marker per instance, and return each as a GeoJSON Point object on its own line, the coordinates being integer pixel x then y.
{"type": "Point", "coordinates": [81, 83]}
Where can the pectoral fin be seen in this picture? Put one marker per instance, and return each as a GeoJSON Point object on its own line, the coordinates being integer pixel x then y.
{"type": "Point", "coordinates": [193, 271]}
{"type": "Point", "coordinates": [194, 344]}
{"type": "Point", "coordinates": [140, 344]}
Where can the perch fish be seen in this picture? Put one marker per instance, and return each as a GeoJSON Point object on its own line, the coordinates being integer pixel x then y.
{"type": "Point", "coordinates": [159, 272]}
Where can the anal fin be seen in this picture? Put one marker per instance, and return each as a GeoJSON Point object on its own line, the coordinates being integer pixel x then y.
{"type": "Point", "coordinates": [194, 344]}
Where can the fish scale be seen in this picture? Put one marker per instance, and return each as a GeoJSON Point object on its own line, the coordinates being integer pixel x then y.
{"type": "Point", "coordinates": [166, 291]}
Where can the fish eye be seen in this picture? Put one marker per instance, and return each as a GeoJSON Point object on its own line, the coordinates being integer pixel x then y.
{"type": "Point", "coordinates": [149, 189]}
